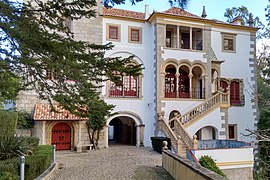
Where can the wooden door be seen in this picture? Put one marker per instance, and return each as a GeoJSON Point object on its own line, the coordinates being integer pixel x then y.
{"type": "Point", "coordinates": [61, 136]}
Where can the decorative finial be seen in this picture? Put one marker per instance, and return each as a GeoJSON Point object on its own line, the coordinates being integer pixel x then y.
{"type": "Point", "coordinates": [204, 13]}
{"type": "Point", "coordinates": [250, 20]}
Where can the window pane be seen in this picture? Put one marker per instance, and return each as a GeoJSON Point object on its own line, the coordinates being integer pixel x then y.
{"type": "Point", "coordinates": [113, 32]}
{"type": "Point", "coordinates": [228, 44]}
{"type": "Point", "coordinates": [135, 35]}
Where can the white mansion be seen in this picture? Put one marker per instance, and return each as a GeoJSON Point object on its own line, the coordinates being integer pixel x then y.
{"type": "Point", "coordinates": [198, 78]}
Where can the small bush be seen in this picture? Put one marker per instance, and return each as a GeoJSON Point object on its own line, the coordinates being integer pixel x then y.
{"type": "Point", "coordinates": [25, 121]}
{"type": "Point", "coordinates": [34, 165]}
{"type": "Point", "coordinates": [157, 143]}
{"type": "Point", "coordinates": [14, 146]}
{"type": "Point", "coordinates": [209, 163]}
{"type": "Point", "coordinates": [8, 123]}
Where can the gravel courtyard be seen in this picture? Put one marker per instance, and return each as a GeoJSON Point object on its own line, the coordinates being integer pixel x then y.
{"type": "Point", "coordinates": [116, 162]}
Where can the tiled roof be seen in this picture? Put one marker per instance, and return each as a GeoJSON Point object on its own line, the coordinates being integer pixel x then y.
{"type": "Point", "coordinates": [123, 13]}
{"type": "Point", "coordinates": [44, 112]}
{"type": "Point", "coordinates": [180, 12]}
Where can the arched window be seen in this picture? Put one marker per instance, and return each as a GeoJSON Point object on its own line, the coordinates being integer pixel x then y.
{"type": "Point", "coordinates": [127, 87]}
{"type": "Point", "coordinates": [170, 82]}
{"type": "Point", "coordinates": [235, 93]}
{"type": "Point", "coordinates": [224, 86]}
{"type": "Point", "coordinates": [183, 82]}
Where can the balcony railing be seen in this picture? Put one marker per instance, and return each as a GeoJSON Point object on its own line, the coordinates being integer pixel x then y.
{"type": "Point", "coordinates": [125, 93]}
{"type": "Point", "coordinates": [196, 94]}
{"type": "Point", "coordinates": [221, 144]}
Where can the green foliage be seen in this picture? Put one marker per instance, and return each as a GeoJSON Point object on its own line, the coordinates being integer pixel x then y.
{"type": "Point", "coordinates": [34, 165]}
{"type": "Point", "coordinates": [25, 120]}
{"type": "Point", "coordinates": [8, 121]}
{"type": "Point", "coordinates": [157, 143]}
{"type": "Point", "coordinates": [13, 146]}
{"type": "Point", "coordinates": [209, 163]}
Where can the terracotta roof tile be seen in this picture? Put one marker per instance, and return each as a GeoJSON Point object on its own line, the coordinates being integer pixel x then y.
{"type": "Point", "coordinates": [180, 12]}
{"type": "Point", "coordinates": [44, 112]}
{"type": "Point", "coordinates": [123, 13]}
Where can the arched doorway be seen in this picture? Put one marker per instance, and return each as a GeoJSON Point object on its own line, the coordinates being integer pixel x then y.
{"type": "Point", "coordinates": [122, 130]}
{"type": "Point", "coordinates": [207, 133]}
{"type": "Point", "coordinates": [61, 136]}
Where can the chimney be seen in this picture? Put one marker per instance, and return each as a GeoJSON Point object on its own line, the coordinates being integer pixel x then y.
{"type": "Point", "coordinates": [237, 21]}
{"type": "Point", "coordinates": [146, 12]}
{"type": "Point", "coordinates": [204, 13]}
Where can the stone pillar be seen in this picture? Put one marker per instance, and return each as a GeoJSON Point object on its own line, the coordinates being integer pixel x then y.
{"type": "Point", "coordinates": [177, 36]}
{"type": "Point", "coordinates": [142, 135]}
{"type": "Point", "coordinates": [106, 136]}
{"type": "Point", "coordinates": [190, 38]}
{"type": "Point", "coordinates": [177, 84]}
{"type": "Point", "coordinates": [203, 85]}
{"type": "Point", "coordinates": [43, 132]}
{"type": "Point", "coordinates": [138, 134]}
{"type": "Point", "coordinates": [190, 85]}
{"type": "Point", "coordinates": [79, 145]}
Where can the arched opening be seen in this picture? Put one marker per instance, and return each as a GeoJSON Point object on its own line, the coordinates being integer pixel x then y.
{"type": "Point", "coordinates": [122, 130]}
{"type": "Point", "coordinates": [61, 136]}
{"type": "Point", "coordinates": [183, 82]}
{"type": "Point", "coordinates": [198, 91]}
{"type": "Point", "coordinates": [170, 82]}
{"type": "Point", "coordinates": [224, 85]}
{"type": "Point", "coordinates": [214, 81]}
{"type": "Point", "coordinates": [172, 115]}
{"type": "Point", "coordinates": [206, 133]}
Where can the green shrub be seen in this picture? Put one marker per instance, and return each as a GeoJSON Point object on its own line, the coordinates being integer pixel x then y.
{"type": "Point", "coordinates": [34, 165]}
{"type": "Point", "coordinates": [25, 121]}
{"type": "Point", "coordinates": [8, 122]}
{"type": "Point", "coordinates": [157, 143]}
{"type": "Point", "coordinates": [14, 146]}
{"type": "Point", "coordinates": [209, 163]}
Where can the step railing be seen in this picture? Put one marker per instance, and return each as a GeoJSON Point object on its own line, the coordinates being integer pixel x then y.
{"type": "Point", "coordinates": [182, 134]}
{"type": "Point", "coordinates": [201, 109]}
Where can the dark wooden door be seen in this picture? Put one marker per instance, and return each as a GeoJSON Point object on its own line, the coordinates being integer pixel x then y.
{"type": "Point", "coordinates": [61, 136]}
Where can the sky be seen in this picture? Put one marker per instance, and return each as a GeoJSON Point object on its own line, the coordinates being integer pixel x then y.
{"type": "Point", "coordinates": [215, 9]}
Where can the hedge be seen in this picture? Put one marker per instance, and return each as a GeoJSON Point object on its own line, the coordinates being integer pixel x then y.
{"type": "Point", "coordinates": [209, 163]}
{"type": "Point", "coordinates": [34, 165]}
{"type": "Point", "coordinates": [157, 143]}
{"type": "Point", "coordinates": [8, 121]}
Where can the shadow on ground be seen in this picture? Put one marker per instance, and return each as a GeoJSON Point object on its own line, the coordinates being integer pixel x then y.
{"type": "Point", "coordinates": [151, 173]}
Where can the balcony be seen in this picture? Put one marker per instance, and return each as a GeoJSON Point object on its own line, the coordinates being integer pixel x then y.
{"type": "Point", "coordinates": [185, 38]}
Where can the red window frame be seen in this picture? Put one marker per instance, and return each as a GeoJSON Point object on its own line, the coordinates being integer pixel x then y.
{"type": "Point", "coordinates": [231, 129]}
{"type": "Point", "coordinates": [51, 74]}
{"type": "Point", "coordinates": [113, 32]}
{"type": "Point", "coordinates": [135, 35]}
{"type": "Point", "coordinates": [235, 93]}
{"type": "Point", "coordinates": [127, 88]}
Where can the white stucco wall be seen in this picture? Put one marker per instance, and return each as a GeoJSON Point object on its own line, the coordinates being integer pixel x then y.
{"type": "Point", "coordinates": [144, 106]}
{"type": "Point", "coordinates": [236, 65]}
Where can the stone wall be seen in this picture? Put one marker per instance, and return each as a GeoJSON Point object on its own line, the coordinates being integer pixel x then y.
{"type": "Point", "coordinates": [239, 173]}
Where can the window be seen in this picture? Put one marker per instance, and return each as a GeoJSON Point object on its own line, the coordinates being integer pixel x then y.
{"type": "Point", "coordinates": [232, 128]}
{"type": "Point", "coordinates": [113, 32]}
{"type": "Point", "coordinates": [128, 87]}
{"type": "Point", "coordinates": [170, 82]}
{"type": "Point", "coordinates": [134, 34]}
{"type": "Point", "coordinates": [51, 74]}
{"type": "Point", "coordinates": [228, 42]}
{"type": "Point", "coordinates": [235, 93]}
{"type": "Point", "coordinates": [168, 38]}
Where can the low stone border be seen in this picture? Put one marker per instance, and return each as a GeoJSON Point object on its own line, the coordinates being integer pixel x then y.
{"type": "Point", "coordinates": [46, 174]}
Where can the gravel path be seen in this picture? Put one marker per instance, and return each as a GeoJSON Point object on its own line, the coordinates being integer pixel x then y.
{"type": "Point", "coordinates": [116, 162]}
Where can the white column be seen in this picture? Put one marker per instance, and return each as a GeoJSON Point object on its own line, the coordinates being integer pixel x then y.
{"type": "Point", "coordinates": [138, 138]}
{"type": "Point", "coordinates": [190, 38]}
{"type": "Point", "coordinates": [190, 85]}
{"type": "Point", "coordinates": [106, 136]}
{"type": "Point", "coordinates": [177, 36]}
{"type": "Point", "coordinates": [43, 132]}
{"type": "Point", "coordinates": [177, 85]}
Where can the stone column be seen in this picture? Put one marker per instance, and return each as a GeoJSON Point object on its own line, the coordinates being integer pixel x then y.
{"type": "Point", "coordinates": [190, 85]}
{"type": "Point", "coordinates": [138, 136]}
{"type": "Point", "coordinates": [177, 84]}
{"type": "Point", "coordinates": [190, 38]}
{"type": "Point", "coordinates": [43, 132]}
{"type": "Point", "coordinates": [142, 135]}
{"type": "Point", "coordinates": [79, 145]}
{"type": "Point", "coordinates": [106, 136]}
{"type": "Point", "coordinates": [203, 85]}
{"type": "Point", "coordinates": [177, 36]}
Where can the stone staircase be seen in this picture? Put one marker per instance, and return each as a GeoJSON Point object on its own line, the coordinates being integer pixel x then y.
{"type": "Point", "coordinates": [174, 128]}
